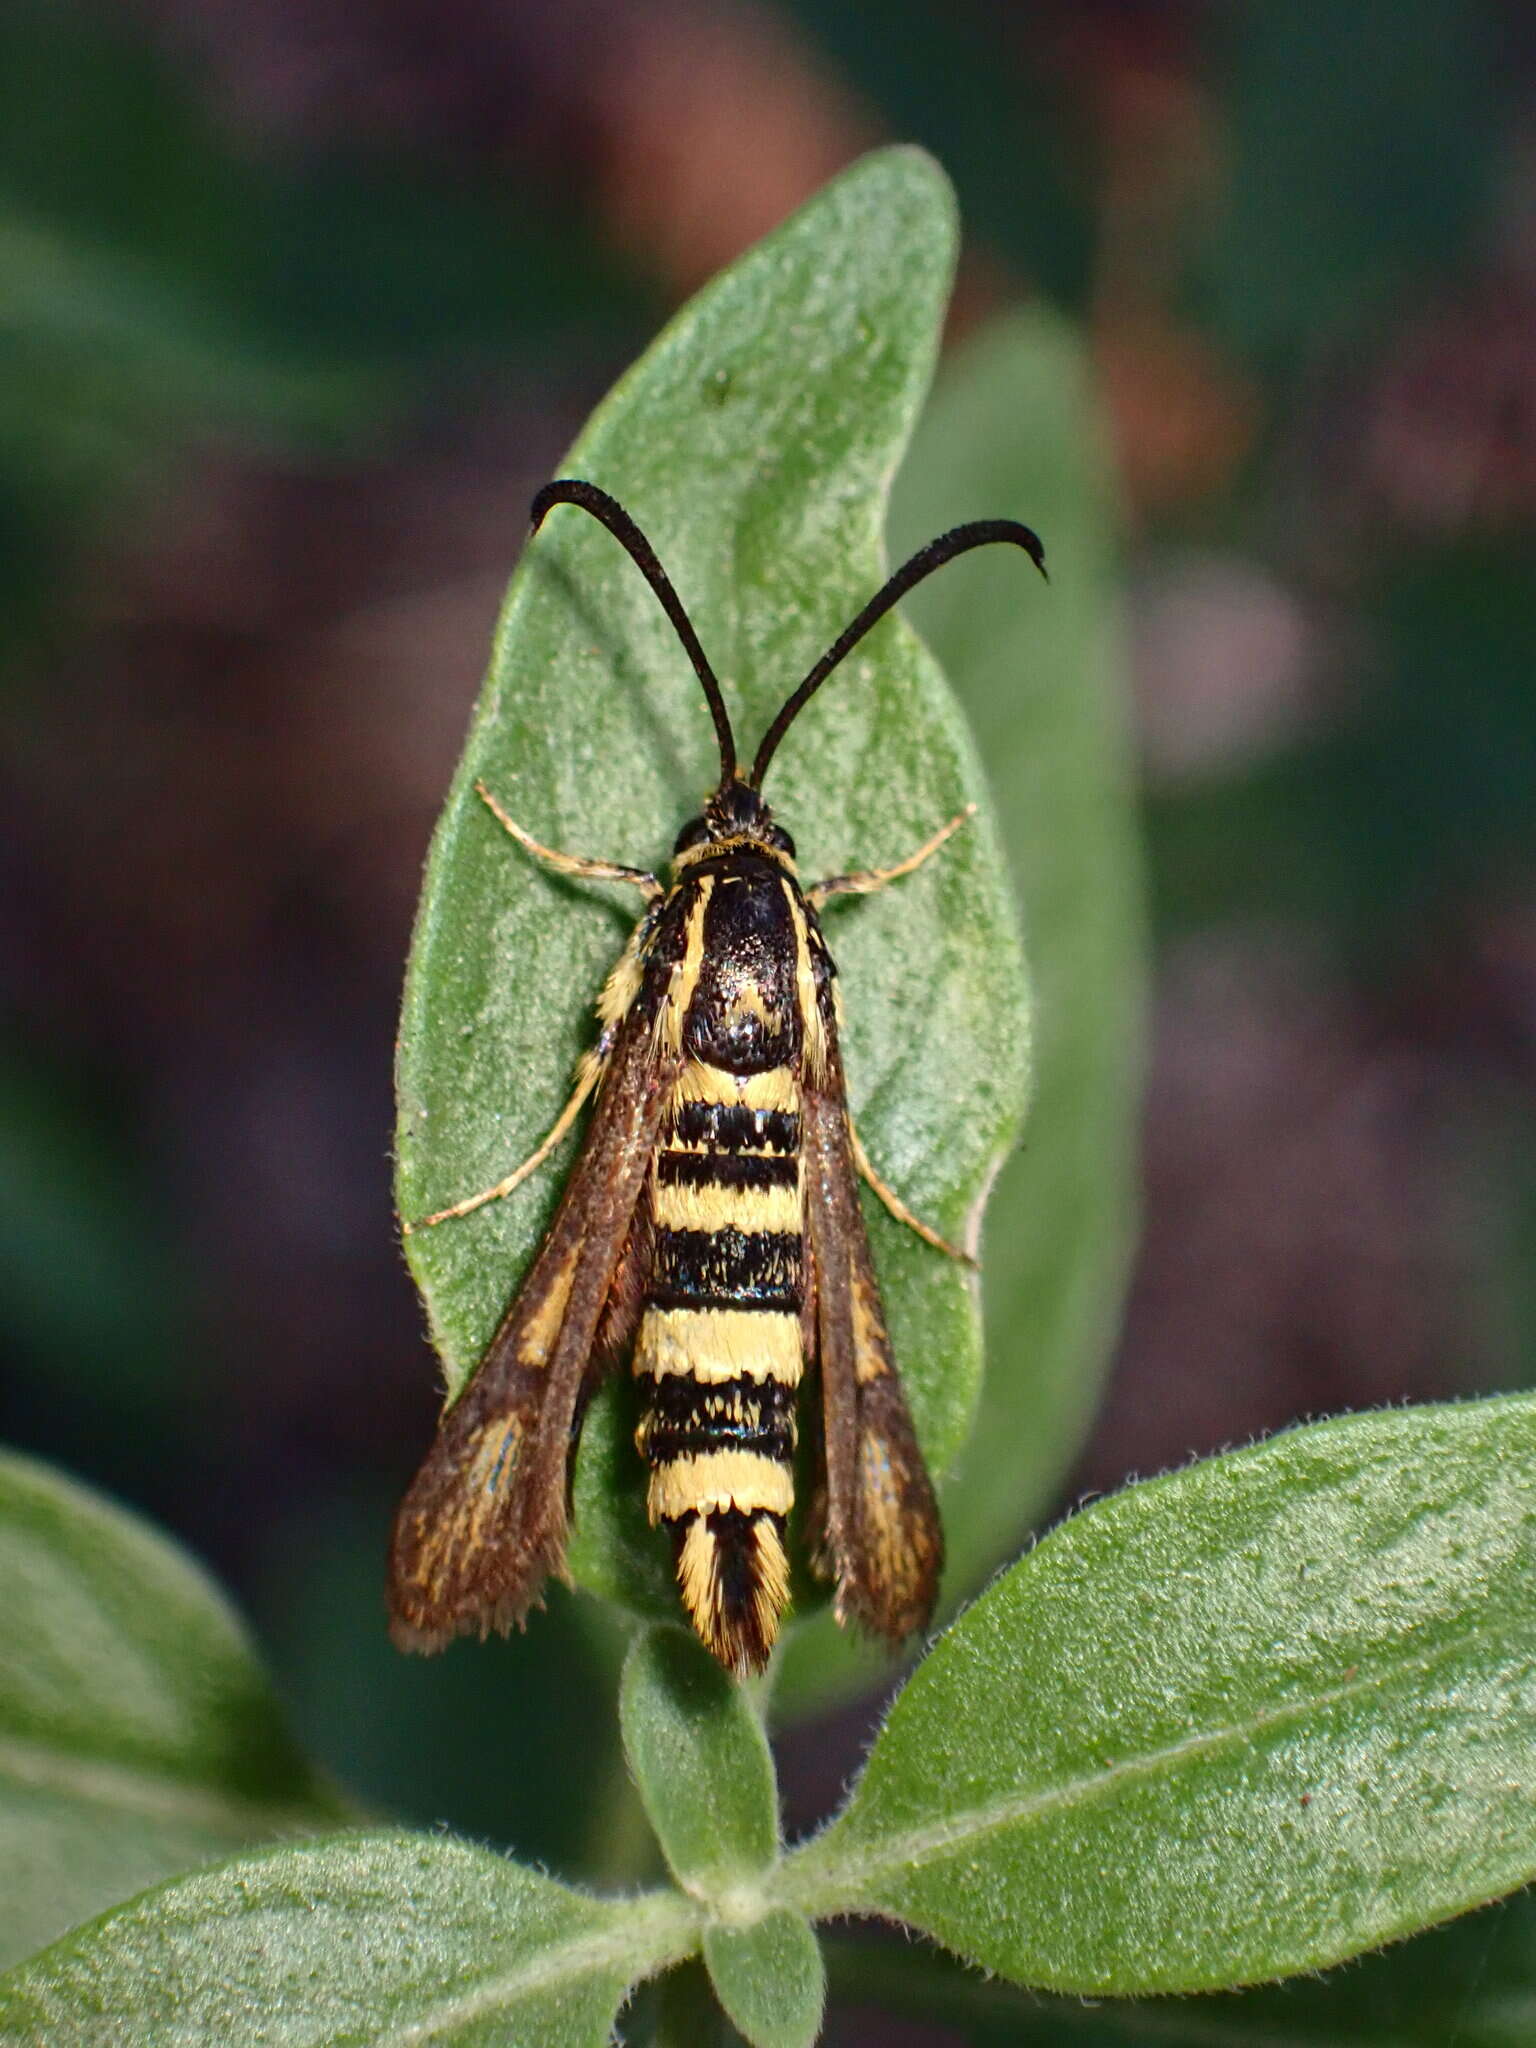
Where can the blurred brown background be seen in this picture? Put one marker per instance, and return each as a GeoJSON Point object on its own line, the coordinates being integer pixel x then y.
{"type": "Point", "coordinates": [299, 304]}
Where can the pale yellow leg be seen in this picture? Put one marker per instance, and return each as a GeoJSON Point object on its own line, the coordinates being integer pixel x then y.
{"type": "Point", "coordinates": [868, 880]}
{"type": "Point", "coordinates": [586, 1080]}
{"type": "Point", "coordinates": [570, 863]}
{"type": "Point", "coordinates": [898, 1207]}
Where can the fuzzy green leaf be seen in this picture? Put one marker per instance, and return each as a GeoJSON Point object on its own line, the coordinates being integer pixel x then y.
{"type": "Point", "coordinates": [138, 1732]}
{"type": "Point", "coordinates": [379, 1938]}
{"type": "Point", "coordinates": [701, 1760]}
{"type": "Point", "coordinates": [770, 1978]}
{"type": "Point", "coordinates": [1013, 431]}
{"type": "Point", "coordinates": [1242, 1721]}
{"type": "Point", "coordinates": [1469, 1985]}
{"type": "Point", "coordinates": [754, 443]}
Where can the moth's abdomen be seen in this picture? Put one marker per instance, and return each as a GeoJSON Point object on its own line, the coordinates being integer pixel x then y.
{"type": "Point", "coordinates": [718, 1356]}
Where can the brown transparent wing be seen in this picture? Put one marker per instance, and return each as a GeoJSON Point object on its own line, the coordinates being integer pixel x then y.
{"type": "Point", "coordinates": [484, 1521]}
{"type": "Point", "coordinates": [883, 1544]}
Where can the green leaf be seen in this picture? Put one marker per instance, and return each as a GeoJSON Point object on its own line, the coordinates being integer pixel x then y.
{"type": "Point", "coordinates": [138, 1732]}
{"type": "Point", "coordinates": [1469, 1985]}
{"type": "Point", "coordinates": [770, 1978]}
{"type": "Point", "coordinates": [1014, 431]}
{"type": "Point", "coordinates": [1245, 1720]}
{"type": "Point", "coordinates": [701, 1760]}
{"type": "Point", "coordinates": [379, 1938]}
{"type": "Point", "coordinates": [754, 443]}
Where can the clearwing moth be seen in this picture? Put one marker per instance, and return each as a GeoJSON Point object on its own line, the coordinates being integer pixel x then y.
{"type": "Point", "coordinates": [710, 1231]}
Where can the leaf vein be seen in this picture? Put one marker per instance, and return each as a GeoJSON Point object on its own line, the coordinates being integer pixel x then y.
{"type": "Point", "coordinates": [654, 1934]}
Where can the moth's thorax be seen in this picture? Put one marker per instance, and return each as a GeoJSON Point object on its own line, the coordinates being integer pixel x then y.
{"type": "Point", "coordinates": [736, 961]}
{"type": "Point", "coordinates": [743, 1014]}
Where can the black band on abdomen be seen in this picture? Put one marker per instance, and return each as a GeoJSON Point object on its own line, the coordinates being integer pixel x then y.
{"type": "Point", "coordinates": [727, 1269]}
{"type": "Point", "coordinates": [732, 1127]}
{"type": "Point", "coordinates": [685, 1417]}
{"type": "Point", "coordinates": [727, 1170]}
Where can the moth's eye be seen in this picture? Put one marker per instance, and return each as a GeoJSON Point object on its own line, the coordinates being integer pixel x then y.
{"type": "Point", "coordinates": [779, 838]}
{"type": "Point", "coordinates": [694, 833]}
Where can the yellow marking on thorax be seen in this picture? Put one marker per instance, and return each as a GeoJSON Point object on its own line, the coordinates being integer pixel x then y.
{"type": "Point", "coordinates": [623, 983]}
{"type": "Point", "coordinates": [813, 1032]}
{"type": "Point", "coordinates": [714, 1344]}
{"type": "Point", "coordinates": [777, 1088]}
{"type": "Point", "coordinates": [722, 1208]}
{"type": "Point", "coordinates": [685, 974]}
{"type": "Point", "coordinates": [703, 1482]}
{"type": "Point", "coordinates": [748, 1002]}
{"type": "Point", "coordinates": [740, 842]}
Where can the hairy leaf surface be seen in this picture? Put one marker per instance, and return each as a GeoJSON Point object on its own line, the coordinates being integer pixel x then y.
{"type": "Point", "coordinates": [698, 1753]}
{"type": "Point", "coordinates": [770, 1978]}
{"type": "Point", "coordinates": [1242, 1721]}
{"type": "Point", "coordinates": [138, 1731]}
{"type": "Point", "coordinates": [378, 1938]}
{"type": "Point", "coordinates": [1469, 1985]}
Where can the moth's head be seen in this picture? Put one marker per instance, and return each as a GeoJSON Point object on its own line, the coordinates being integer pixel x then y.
{"type": "Point", "coordinates": [734, 813]}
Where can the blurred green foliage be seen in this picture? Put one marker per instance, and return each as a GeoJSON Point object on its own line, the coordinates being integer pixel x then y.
{"type": "Point", "coordinates": [1420, 798]}
{"type": "Point", "coordinates": [165, 285]}
{"type": "Point", "coordinates": [1363, 141]}
{"type": "Point", "coordinates": [959, 80]}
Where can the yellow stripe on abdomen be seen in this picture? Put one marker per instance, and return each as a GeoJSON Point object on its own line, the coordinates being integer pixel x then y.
{"type": "Point", "coordinates": [709, 1482]}
{"type": "Point", "coordinates": [716, 1207]}
{"type": "Point", "coordinates": [713, 1344]}
{"type": "Point", "coordinates": [776, 1088]}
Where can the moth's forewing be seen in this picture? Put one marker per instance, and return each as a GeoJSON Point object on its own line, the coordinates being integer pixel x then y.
{"type": "Point", "coordinates": [484, 1521]}
{"type": "Point", "coordinates": [882, 1541]}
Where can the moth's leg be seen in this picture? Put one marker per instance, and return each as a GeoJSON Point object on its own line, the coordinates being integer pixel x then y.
{"type": "Point", "coordinates": [588, 1074]}
{"type": "Point", "coordinates": [868, 880]}
{"type": "Point", "coordinates": [571, 863]}
{"type": "Point", "coordinates": [898, 1207]}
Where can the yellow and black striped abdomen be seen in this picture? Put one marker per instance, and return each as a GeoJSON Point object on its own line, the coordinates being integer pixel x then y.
{"type": "Point", "coordinates": [718, 1356]}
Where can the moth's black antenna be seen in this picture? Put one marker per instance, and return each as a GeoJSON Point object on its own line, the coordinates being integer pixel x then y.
{"type": "Point", "coordinates": [567, 490]}
{"type": "Point", "coordinates": [956, 542]}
